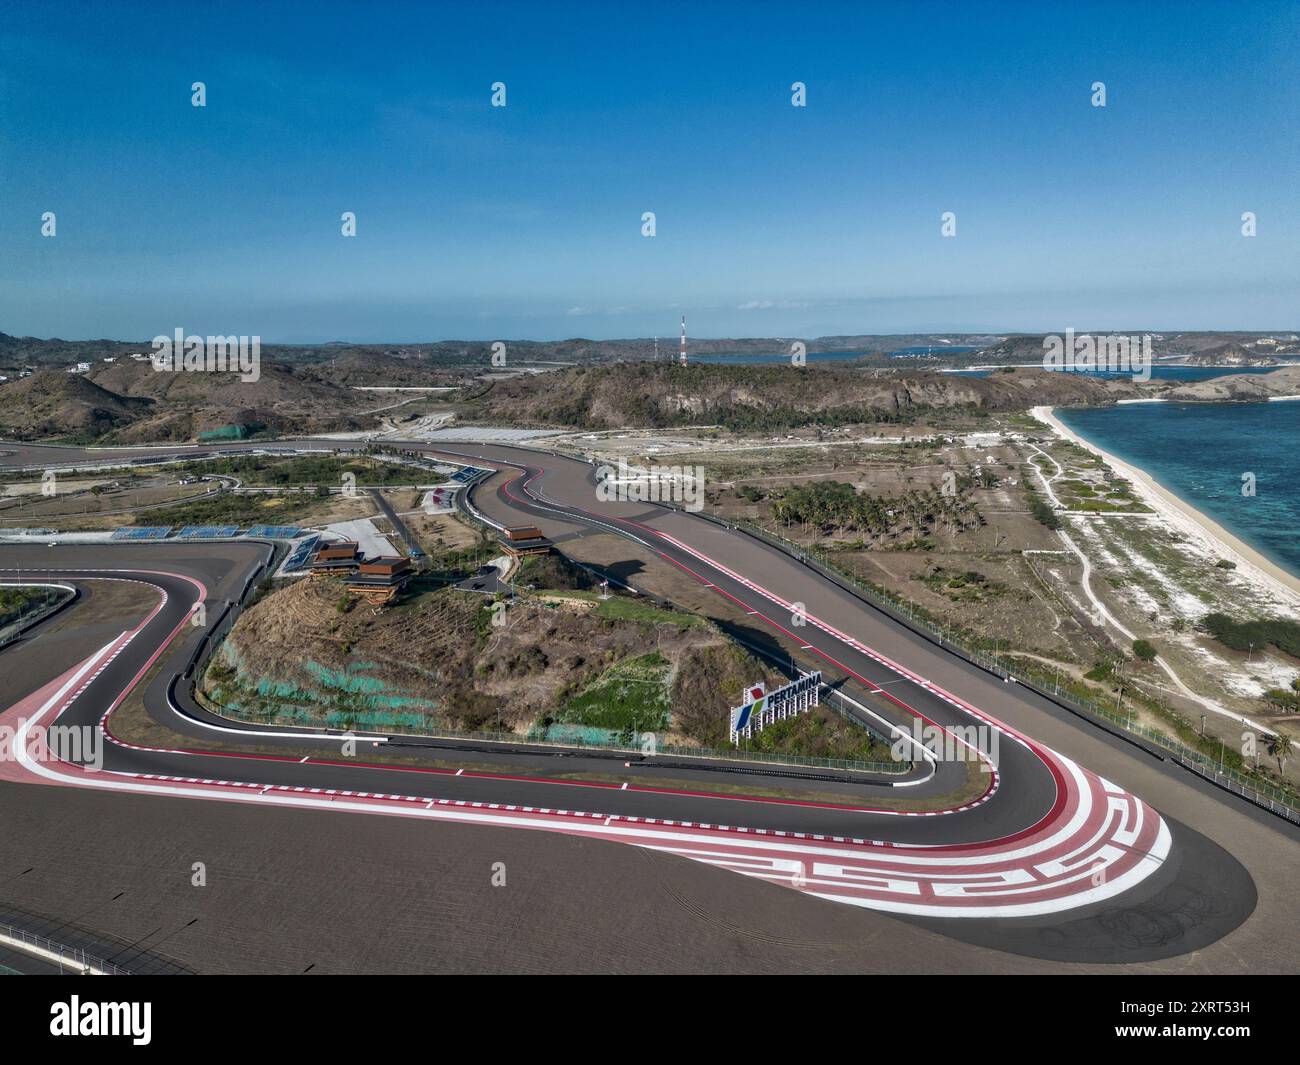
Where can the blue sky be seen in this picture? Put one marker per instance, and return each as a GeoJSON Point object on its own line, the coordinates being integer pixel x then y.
{"type": "Point", "coordinates": [525, 221]}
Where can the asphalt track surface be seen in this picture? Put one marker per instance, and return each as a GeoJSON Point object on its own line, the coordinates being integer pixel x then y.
{"type": "Point", "coordinates": [1048, 844]}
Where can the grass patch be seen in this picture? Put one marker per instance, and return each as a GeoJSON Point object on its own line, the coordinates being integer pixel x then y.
{"type": "Point", "coordinates": [1282, 633]}
{"type": "Point", "coordinates": [966, 586]}
{"type": "Point", "coordinates": [622, 608]}
{"type": "Point", "coordinates": [819, 733]}
{"type": "Point", "coordinates": [295, 470]}
{"type": "Point", "coordinates": [632, 695]}
{"type": "Point", "coordinates": [225, 509]}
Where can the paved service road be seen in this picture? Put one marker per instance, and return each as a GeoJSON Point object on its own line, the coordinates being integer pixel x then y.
{"type": "Point", "coordinates": [1046, 840]}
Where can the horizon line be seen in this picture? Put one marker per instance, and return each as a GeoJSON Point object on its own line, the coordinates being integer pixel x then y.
{"type": "Point", "coordinates": [1005, 333]}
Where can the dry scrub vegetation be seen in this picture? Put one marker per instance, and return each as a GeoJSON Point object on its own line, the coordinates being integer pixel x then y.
{"type": "Point", "coordinates": [311, 652]}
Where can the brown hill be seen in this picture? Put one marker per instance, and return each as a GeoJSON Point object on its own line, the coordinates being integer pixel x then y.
{"type": "Point", "coordinates": [284, 399]}
{"type": "Point", "coordinates": [308, 646]}
{"type": "Point", "coordinates": [352, 367]}
{"type": "Point", "coordinates": [755, 397]}
{"type": "Point", "coordinates": [1244, 387]}
{"type": "Point", "coordinates": [127, 402]}
{"type": "Point", "coordinates": [1229, 354]}
{"type": "Point", "coordinates": [58, 404]}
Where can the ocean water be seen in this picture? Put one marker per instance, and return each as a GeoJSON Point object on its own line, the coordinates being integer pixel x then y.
{"type": "Point", "coordinates": [1159, 372]}
{"type": "Point", "coordinates": [1199, 451]}
{"type": "Point", "coordinates": [773, 358]}
{"type": "Point", "coordinates": [931, 349]}
{"type": "Point", "coordinates": [1172, 373]}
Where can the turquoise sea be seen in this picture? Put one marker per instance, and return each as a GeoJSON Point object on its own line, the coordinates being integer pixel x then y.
{"type": "Point", "coordinates": [774, 358]}
{"type": "Point", "coordinates": [1161, 372]}
{"type": "Point", "coordinates": [1199, 451]}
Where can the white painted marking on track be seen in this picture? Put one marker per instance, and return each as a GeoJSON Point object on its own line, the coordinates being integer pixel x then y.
{"type": "Point", "coordinates": [1064, 852]}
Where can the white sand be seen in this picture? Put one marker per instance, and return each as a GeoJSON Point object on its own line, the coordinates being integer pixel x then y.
{"type": "Point", "coordinates": [1277, 583]}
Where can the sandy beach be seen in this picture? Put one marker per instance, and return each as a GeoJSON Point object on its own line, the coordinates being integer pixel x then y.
{"type": "Point", "coordinates": [1189, 521]}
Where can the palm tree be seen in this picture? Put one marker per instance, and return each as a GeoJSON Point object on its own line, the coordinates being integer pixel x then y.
{"type": "Point", "coordinates": [1279, 746]}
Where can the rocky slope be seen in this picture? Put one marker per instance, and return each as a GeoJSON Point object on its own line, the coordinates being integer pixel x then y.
{"type": "Point", "coordinates": [57, 404]}
{"type": "Point", "coordinates": [283, 398]}
{"type": "Point", "coordinates": [1230, 354]}
{"type": "Point", "coordinates": [653, 395]}
{"type": "Point", "coordinates": [1246, 388]}
{"type": "Point", "coordinates": [128, 402]}
{"type": "Point", "coordinates": [434, 658]}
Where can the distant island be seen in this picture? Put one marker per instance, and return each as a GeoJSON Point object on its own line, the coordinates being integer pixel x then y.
{"type": "Point", "coordinates": [107, 392]}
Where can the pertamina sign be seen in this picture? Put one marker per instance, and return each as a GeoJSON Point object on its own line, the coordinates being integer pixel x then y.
{"type": "Point", "coordinates": [762, 707]}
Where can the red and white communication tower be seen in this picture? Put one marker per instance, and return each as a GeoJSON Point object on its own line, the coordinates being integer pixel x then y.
{"type": "Point", "coordinates": [682, 356]}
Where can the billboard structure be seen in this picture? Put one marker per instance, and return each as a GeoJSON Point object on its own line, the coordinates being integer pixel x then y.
{"type": "Point", "coordinates": [762, 707]}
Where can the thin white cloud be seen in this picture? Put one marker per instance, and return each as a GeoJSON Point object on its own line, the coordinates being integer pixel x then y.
{"type": "Point", "coordinates": [767, 305]}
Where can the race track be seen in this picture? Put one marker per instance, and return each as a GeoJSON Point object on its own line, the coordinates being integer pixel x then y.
{"type": "Point", "coordinates": [1045, 841]}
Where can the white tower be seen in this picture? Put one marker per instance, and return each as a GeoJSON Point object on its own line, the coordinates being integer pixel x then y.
{"type": "Point", "coordinates": [682, 356]}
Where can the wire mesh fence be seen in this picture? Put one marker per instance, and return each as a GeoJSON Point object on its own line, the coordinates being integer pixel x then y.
{"type": "Point", "coordinates": [1261, 793]}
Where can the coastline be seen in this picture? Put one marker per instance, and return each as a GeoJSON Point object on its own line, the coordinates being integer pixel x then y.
{"type": "Point", "coordinates": [1185, 517]}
